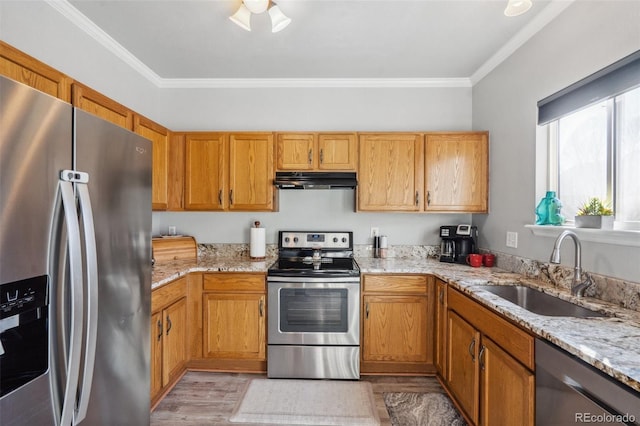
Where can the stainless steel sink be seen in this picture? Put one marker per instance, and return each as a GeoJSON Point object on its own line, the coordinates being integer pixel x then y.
{"type": "Point", "coordinates": [539, 303]}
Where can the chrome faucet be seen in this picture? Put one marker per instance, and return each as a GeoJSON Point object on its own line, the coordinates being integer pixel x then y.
{"type": "Point", "coordinates": [578, 286]}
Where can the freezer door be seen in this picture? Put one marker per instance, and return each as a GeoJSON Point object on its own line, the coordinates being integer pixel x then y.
{"type": "Point", "coordinates": [35, 144]}
{"type": "Point", "coordinates": [118, 163]}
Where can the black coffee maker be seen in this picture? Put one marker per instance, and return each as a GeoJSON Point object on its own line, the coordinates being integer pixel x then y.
{"type": "Point", "coordinates": [458, 241]}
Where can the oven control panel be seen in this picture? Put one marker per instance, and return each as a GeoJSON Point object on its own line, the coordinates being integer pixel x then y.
{"type": "Point", "coordinates": [316, 240]}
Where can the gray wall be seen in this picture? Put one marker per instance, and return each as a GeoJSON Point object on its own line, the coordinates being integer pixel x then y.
{"type": "Point", "coordinates": [583, 39]}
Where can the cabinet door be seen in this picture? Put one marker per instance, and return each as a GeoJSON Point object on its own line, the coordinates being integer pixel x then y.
{"type": "Point", "coordinates": [234, 326]}
{"type": "Point", "coordinates": [157, 332]}
{"type": "Point", "coordinates": [205, 177]}
{"type": "Point", "coordinates": [395, 328]}
{"type": "Point", "coordinates": [251, 171]}
{"type": "Point", "coordinates": [159, 136]}
{"type": "Point", "coordinates": [504, 383]}
{"type": "Point", "coordinates": [98, 104]}
{"type": "Point", "coordinates": [295, 151]}
{"type": "Point", "coordinates": [390, 172]}
{"type": "Point", "coordinates": [462, 364]}
{"type": "Point", "coordinates": [441, 328]}
{"type": "Point", "coordinates": [457, 172]}
{"type": "Point", "coordinates": [25, 69]}
{"type": "Point", "coordinates": [337, 151]}
{"type": "Point", "coordinates": [174, 349]}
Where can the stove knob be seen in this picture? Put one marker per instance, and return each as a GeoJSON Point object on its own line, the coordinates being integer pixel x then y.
{"type": "Point", "coordinates": [286, 239]}
{"type": "Point", "coordinates": [335, 239]}
{"type": "Point", "coordinates": [295, 239]}
{"type": "Point", "coordinates": [344, 239]}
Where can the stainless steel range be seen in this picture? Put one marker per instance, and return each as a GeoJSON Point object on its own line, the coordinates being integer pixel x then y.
{"type": "Point", "coordinates": [313, 299]}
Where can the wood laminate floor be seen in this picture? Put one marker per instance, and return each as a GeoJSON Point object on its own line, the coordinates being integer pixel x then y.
{"type": "Point", "coordinates": [203, 398]}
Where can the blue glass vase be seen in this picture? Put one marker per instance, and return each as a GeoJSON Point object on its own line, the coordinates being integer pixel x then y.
{"type": "Point", "coordinates": [548, 210]}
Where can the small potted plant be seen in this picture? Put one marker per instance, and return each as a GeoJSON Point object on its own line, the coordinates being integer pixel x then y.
{"type": "Point", "coordinates": [595, 213]}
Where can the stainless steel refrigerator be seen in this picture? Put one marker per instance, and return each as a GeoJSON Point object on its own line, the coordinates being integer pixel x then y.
{"type": "Point", "coordinates": [75, 265]}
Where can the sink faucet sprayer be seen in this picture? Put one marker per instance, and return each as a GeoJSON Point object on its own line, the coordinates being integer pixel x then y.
{"type": "Point", "coordinates": [578, 286]}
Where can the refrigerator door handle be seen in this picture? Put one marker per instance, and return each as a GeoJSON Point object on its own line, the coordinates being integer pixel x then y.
{"type": "Point", "coordinates": [76, 295]}
{"type": "Point", "coordinates": [91, 287]}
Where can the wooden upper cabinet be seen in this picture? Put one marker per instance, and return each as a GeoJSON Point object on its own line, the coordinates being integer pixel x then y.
{"type": "Point", "coordinates": [205, 171]}
{"type": "Point", "coordinates": [316, 151]}
{"type": "Point", "coordinates": [159, 136]}
{"type": "Point", "coordinates": [457, 167]}
{"type": "Point", "coordinates": [25, 69]}
{"type": "Point", "coordinates": [295, 151]}
{"type": "Point", "coordinates": [390, 172]}
{"type": "Point", "coordinates": [98, 104]}
{"type": "Point", "coordinates": [337, 151]}
{"type": "Point", "coordinates": [251, 172]}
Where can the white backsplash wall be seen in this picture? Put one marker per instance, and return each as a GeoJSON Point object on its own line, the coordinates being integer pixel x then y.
{"type": "Point", "coordinates": [314, 210]}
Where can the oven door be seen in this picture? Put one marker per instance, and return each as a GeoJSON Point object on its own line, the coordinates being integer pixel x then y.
{"type": "Point", "coordinates": [313, 311]}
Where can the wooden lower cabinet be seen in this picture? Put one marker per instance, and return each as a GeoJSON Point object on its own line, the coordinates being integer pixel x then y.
{"type": "Point", "coordinates": [169, 336]}
{"type": "Point", "coordinates": [440, 355]}
{"type": "Point", "coordinates": [234, 326]}
{"type": "Point", "coordinates": [462, 365]}
{"type": "Point", "coordinates": [234, 322]}
{"type": "Point", "coordinates": [507, 388]}
{"type": "Point", "coordinates": [490, 365]}
{"type": "Point", "coordinates": [397, 324]}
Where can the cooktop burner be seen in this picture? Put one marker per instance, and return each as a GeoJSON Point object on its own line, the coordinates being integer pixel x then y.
{"type": "Point", "coordinates": [315, 253]}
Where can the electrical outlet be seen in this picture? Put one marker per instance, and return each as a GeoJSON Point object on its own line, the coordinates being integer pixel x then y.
{"type": "Point", "coordinates": [375, 231]}
{"type": "Point", "coordinates": [512, 239]}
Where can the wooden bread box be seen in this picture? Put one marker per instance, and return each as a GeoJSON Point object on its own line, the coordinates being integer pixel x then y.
{"type": "Point", "coordinates": [166, 249]}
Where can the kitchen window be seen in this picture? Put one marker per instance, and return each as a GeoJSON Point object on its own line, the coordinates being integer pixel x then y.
{"type": "Point", "coordinates": [593, 133]}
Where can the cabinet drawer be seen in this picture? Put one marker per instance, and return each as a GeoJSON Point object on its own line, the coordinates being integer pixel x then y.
{"type": "Point", "coordinates": [168, 294]}
{"type": "Point", "coordinates": [414, 284]}
{"type": "Point", "coordinates": [231, 281]}
{"type": "Point", "coordinates": [517, 342]}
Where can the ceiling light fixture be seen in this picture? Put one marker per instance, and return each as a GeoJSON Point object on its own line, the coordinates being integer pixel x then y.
{"type": "Point", "coordinates": [242, 17]}
{"type": "Point", "coordinates": [517, 7]}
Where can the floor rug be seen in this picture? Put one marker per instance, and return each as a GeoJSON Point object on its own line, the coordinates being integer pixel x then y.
{"type": "Point", "coordinates": [306, 402]}
{"type": "Point", "coordinates": [421, 409]}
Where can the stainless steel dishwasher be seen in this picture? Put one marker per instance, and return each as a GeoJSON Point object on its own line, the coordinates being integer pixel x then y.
{"type": "Point", "coordinates": [569, 391]}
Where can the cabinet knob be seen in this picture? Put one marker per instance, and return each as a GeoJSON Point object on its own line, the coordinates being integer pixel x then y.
{"type": "Point", "coordinates": [159, 330]}
{"type": "Point", "coordinates": [169, 325]}
{"type": "Point", "coordinates": [480, 357]}
{"type": "Point", "coordinates": [220, 197]}
{"type": "Point", "coordinates": [417, 198]}
{"type": "Point", "coordinates": [428, 198]}
{"type": "Point", "coordinates": [261, 307]}
{"type": "Point", "coordinates": [310, 159]}
{"type": "Point", "coordinates": [231, 196]}
{"type": "Point", "coordinates": [366, 310]}
{"type": "Point", "coordinates": [321, 156]}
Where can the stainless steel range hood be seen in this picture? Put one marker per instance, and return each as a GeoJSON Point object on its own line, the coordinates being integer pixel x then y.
{"type": "Point", "coordinates": [315, 180]}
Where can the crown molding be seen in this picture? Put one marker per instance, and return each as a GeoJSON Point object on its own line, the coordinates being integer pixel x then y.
{"type": "Point", "coordinates": [252, 83]}
{"type": "Point", "coordinates": [545, 16]}
{"type": "Point", "coordinates": [90, 28]}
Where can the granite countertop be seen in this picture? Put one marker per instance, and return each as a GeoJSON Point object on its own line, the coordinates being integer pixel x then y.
{"type": "Point", "coordinates": [611, 344]}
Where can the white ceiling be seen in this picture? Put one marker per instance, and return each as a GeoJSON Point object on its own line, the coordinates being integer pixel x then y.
{"type": "Point", "coordinates": [191, 43]}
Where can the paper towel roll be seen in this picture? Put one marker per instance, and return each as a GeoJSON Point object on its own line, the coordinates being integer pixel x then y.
{"type": "Point", "coordinates": [257, 250]}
